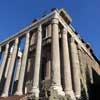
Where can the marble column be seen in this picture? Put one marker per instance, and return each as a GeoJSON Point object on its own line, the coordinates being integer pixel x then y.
{"type": "Point", "coordinates": [23, 67]}
{"type": "Point", "coordinates": [90, 72]}
{"type": "Point", "coordinates": [48, 68]}
{"type": "Point", "coordinates": [10, 71]}
{"type": "Point", "coordinates": [49, 30]}
{"type": "Point", "coordinates": [35, 83]}
{"type": "Point", "coordinates": [66, 64]}
{"type": "Point", "coordinates": [4, 61]}
{"type": "Point", "coordinates": [75, 68]}
{"type": "Point", "coordinates": [55, 57]}
{"type": "Point", "coordinates": [82, 69]}
{"type": "Point", "coordinates": [0, 54]}
{"type": "Point", "coordinates": [8, 62]}
{"type": "Point", "coordinates": [18, 66]}
{"type": "Point", "coordinates": [0, 49]}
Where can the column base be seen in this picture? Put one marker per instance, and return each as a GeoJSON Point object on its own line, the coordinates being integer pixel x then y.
{"type": "Point", "coordinates": [18, 93]}
{"type": "Point", "coordinates": [59, 90]}
{"type": "Point", "coordinates": [4, 95]}
{"type": "Point", "coordinates": [35, 91]}
{"type": "Point", "coordinates": [78, 96]}
{"type": "Point", "coordinates": [70, 94]}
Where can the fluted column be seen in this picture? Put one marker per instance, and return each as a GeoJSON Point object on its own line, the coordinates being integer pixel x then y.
{"type": "Point", "coordinates": [4, 61]}
{"type": "Point", "coordinates": [18, 67]}
{"type": "Point", "coordinates": [35, 87]}
{"type": "Point", "coordinates": [10, 71]}
{"type": "Point", "coordinates": [66, 64]}
{"type": "Point", "coordinates": [55, 56]}
{"type": "Point", "coordinates": [23, 67]}
{"type": "Point", "coordinates": [75, 68]}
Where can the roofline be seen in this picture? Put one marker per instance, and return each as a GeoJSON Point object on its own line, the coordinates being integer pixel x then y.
{"type": "Point", "coordinates": [66, 14]}
{"type": "Point", "coordinates": [28, 28]}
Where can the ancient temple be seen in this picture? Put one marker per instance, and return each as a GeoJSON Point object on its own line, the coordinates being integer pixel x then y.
{"type": "Point", "coordinates": [48, 60]}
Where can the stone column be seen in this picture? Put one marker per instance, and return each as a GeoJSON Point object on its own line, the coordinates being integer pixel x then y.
{"type": "Point", "coordinates": [35, 87]}
{"type": "Point", "coordinates": [10, 71]}
{"type": "Point", "coordinates": [0, 49]}
{"type": "Point", "coordinates": [82, 69]}
{"type": "Point", "coordinates": [55, 57]}
{"type": "Point", "coordinates": [75, 68]}
{"type": "Point", "coordinates": [8, 62]}
{"type": "Point", "coordinates": [49, 30]}
{"type": "Point", "coordinates": [48, 68]}
{"type": "Point", "coordinates": [90, 72]}
{"type": "Point", "coordinates": [4, 61]}
{"type": "Point", "coordinates": [23, 67]}
{"type": "Point", "coordinates": [18, 66]}
{"type": "Point", "coordinates": [1, 54]}
{"type": "Point", "coordinates": [66, 64]}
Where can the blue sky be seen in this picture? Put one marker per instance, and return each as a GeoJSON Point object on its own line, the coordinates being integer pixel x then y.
{"type": "Point", "coordinates": [16, 14]}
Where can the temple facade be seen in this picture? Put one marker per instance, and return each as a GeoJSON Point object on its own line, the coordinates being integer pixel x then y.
{"type": "Point", "coordinates": [48, 60]}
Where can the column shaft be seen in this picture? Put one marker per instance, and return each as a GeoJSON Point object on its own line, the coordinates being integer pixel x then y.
{"type": "Point", "coordinates": [48, 68]}
{"type": "Point", "coordinates": [18, 69]}
{"type": "Point", "coordinates": [7, 66]}
{"type": "Point", "coordinates": [75, 68]}
{"type": "Point", "coordinates": [49, 30]}
{"type": "Point", "coordinates": [35, 88]}
{"type": "Point", "coordinates": [55, 56]}
{"type": "Point", "coordinates": [10, 71]}
{"type": "Point", "coordinates": [23, 67]}
{"type": "Point", "coordinates": [0, 49]}
{"type": "Point", "coordinates": [66, 64]}
{"type": "Point", "coordinates": [90, 73]}
{"type": "Point", "coordinates": [82, 70]}
{"type": "Point", "coordinates": [4, 61]}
